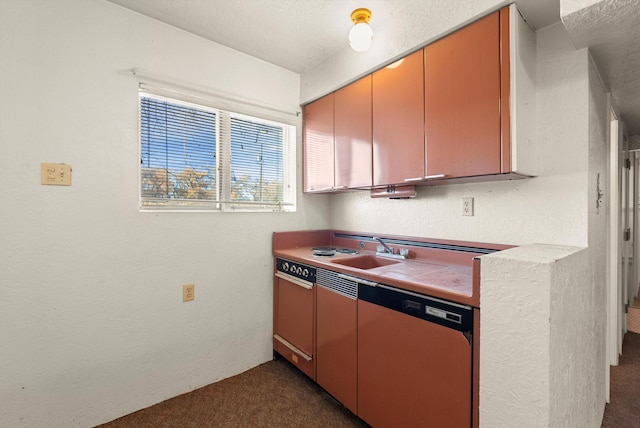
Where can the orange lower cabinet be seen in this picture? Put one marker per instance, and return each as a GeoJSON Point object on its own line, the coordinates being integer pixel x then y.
{"type": "Point", "coordinates": [294, 324]}
{"type": "Point", "coordinates": [336, 353]}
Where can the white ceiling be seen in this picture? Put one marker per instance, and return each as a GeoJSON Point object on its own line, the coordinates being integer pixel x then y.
{"type": "Point", "coordinates": [611, 30]}
{"type": "Point", "coordinates": [300, 34]}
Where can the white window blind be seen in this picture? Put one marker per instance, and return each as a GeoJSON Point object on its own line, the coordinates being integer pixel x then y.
{"type": "Point", "coordinates": [194, 157]}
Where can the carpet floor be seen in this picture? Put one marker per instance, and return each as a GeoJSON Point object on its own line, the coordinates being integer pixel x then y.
{"type": "Point", "coordinates": [624, 409]}
{"type": "Point", "coordinates": [276, 394]}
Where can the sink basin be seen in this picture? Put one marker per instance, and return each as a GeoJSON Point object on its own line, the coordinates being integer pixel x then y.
{"type": "Point", "coordinates": [365, 262]}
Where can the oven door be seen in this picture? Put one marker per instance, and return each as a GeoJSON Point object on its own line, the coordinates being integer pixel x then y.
{"type": "Point", "coordinates": [294, 321]}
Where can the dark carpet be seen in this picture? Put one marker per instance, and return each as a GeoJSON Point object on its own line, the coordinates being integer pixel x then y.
{"type": "Point", "coordinates": [624, 409]}
{"type": "Point", "coordinates": [274, 394]}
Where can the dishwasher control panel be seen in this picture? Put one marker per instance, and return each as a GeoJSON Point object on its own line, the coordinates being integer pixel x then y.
{"type": "Point", "coordinates": [448, 314]}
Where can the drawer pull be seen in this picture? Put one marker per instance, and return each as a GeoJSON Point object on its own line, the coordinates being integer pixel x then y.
{"type": "Point", "coordinates": [299, 282]}
{"type": "Point", "coordinates": [358, 280]}
{"type": "Point", "coordinates": [431, 177]}
{"type": "Point", "coordinates": [408, 180]}
{"type": "Point", "coordinates": [289, 345]}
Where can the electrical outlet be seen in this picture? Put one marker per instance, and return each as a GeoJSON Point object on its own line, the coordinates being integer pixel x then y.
{"type": "Point", "coordinates": [467, 206]}
{"type": "Point", "coordinates": [56, 174]}
{"type": "Point", "coordinates": [188, 292]}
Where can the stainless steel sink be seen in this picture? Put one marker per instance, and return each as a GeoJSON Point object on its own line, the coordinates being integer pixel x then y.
{"type": "Point", "coordinates": [365, 262]}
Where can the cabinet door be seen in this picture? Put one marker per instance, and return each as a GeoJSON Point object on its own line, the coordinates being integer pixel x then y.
{"type": "Point", "coordinates": [336, 338]}
{"type": "Point", "coordinates": [295, 315]}
{"type": "Point", "coordinates": [398, 121]}
{"type": "Point", "coordinates": [353, 146]}
{"type": "Point", "coordinates": [462, 101]}
{"type": "Point", "coordinates": [318, 145]}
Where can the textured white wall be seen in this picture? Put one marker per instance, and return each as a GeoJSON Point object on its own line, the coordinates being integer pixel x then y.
{"type": "Point", "coordinates": [536, 363]}
{"type": "Point", "coordinates": [92, 324]}
{"type": "Point", "coordinates": [594, 336]}
{"type": "Point", "coordinates": [567, 7]}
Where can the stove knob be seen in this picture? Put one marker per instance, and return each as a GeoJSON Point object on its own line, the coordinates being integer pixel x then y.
{"type": "Point", "coordinates": [299, 270]}
{"type": "Point", "coordinates": [285, 266]}
{"type": "Point", "coordinates": [305, 273]}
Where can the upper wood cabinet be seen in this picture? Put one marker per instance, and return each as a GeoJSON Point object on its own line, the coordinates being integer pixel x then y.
{"type": "Point", "coordinates": [337, 139]}
{"type": "Point", "coordinates": [461, 108]}
{"type": "Point", "coordinates": [352, 125]}
{"type": "Point", "coordinates": [463, 101]}
{"type": "Point", "coordinates": [398, 121]}
{"type": "Point", "coordinates": [319, 145]}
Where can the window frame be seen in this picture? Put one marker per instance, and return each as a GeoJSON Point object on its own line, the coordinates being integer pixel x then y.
{"type": "Point", "coordinates": [225, 107]}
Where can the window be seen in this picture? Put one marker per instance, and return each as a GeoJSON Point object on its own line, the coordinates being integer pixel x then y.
{"type": "Point", "coordinates": [195, 157]}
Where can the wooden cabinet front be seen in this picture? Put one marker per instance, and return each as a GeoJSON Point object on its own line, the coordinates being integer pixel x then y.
{"type": "Point", "coordinates": [319, 145]}
{"type": "Point", "coordinates": [336, 338]}
{"type": "Point", "coordinates": [398, 121]}
{"type": "Point", "coordinates": [353, 150]}
{"type": "Point", "coordinates": [295, 324]}
{"type": "Point", "coordinates": [441, 112]}
{"type": "Point", "coordinates": [462, 101]}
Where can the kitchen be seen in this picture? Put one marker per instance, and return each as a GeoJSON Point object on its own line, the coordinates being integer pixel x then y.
{"type": "Point", "coordinates": [91, 287]}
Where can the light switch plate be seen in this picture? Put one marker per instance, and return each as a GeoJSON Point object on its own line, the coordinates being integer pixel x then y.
{"type": "Point", "coordinates": [56, 174]}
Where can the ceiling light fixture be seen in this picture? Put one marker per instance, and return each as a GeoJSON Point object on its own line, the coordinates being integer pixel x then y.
{"type": "Point", "coordinates": [361, 34]}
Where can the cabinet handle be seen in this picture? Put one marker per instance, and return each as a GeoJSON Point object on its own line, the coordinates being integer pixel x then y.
{"type": "Point", "coordinates": [408, 180]}
{"type": "Point", "coordinates": [358, 280]}
{"type": "Point", "coordinates": [288, 344]}
{"type": "Point", "coordinates": [430, 177]}
{"type": "Point", "coordinates": [299, 282]}
{"type": "Point", "coordinates": [333, 188]}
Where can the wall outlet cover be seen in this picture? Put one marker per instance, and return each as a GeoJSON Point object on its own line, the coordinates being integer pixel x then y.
{"type": "Point", "coordinates": [56, 174]}
{"type": "Point", "coordinates": [467, 206]}
{"type": "Point", "coordinates": [188, 292]}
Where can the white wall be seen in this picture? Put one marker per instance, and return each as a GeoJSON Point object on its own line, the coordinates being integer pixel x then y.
{"type": "Point", "coordinates": [92, 324]}
{"type": "Point", "coordinates": [533, 370]}
{"type": "Point", "coordinates": [597, 379]}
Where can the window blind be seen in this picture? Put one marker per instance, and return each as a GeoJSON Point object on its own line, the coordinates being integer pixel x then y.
{"type": "Point", "coordinates": [197, 157]}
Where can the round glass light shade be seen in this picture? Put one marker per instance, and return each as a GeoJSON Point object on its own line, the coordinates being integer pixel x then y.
{"type": "Point", "coordinates": [360, 37]}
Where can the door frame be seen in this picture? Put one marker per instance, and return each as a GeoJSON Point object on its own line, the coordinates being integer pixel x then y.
{"type": "Point", "coordinates": [614, 244]}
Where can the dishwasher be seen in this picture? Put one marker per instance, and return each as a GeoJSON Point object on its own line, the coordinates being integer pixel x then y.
{"type": "Point", "coordinates": [415, 359]}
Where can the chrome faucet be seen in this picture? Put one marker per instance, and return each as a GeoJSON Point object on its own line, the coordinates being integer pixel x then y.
{"type": "Point", "coordinates": [387, 248]}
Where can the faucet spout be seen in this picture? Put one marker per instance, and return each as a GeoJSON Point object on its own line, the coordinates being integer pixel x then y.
{"type": "Point", "coordinates": [387, 248]}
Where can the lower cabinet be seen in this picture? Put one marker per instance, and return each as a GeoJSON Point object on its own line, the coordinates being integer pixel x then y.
{"type": "Point", "coordinates": [336, 353]}
{"type": "Point", "coordinates": [392, 357]}
{"type": "Point", "coordinates": [294, 323]}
